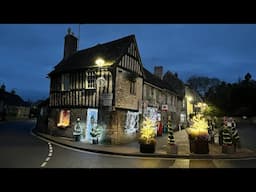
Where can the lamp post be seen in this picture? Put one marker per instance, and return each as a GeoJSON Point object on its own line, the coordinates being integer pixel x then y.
{"type": "Point", "coordinates": [189, 103]}
{"type": "Point", "coordinates": [100, 83]}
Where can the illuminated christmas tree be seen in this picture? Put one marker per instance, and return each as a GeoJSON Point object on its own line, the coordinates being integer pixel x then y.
{"type": "Point", "coordinates": [95, 134]}
{"type": "Point", "coordinates": [199, 127]}
{"type": "Point", "coordinates": [147, 132]}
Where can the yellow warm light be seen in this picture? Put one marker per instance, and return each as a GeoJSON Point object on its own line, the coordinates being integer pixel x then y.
{"type": "Point", "coordinates": [190, 98]}
{"type": "Point", "coordinates": [100, 62]}
{"type": "Point", "coordinates": [199, 126]}
{"type": "Point", "coordinates": [64, 120]}
{"type": "Point", "coordinates": [147, 132]}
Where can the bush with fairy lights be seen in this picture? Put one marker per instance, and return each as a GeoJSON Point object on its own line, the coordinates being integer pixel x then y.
{"type": "Point", "coordinates": [147, 132]}
{"type": "Point", "coordinates": [199, 128]}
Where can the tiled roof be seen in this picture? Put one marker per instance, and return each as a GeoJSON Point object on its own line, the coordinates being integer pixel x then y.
{"type": "Point", "coordinates": [110, 51]}
{"type": "Point", "coordinates": [154, 80]}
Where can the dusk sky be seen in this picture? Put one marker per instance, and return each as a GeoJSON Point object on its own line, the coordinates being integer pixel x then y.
{"type": "Point", "coordinates": [30, 51]}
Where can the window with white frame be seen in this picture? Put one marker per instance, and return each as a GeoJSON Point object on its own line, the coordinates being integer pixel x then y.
{"type": "Point", "coordinates": [90, 80]}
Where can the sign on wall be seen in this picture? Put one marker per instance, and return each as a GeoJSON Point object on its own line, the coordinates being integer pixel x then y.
{"type": "Point", "coordinates": [107, 99]}
{"type": "Point", "coordinates": [101, 82]}
{"type": "Point", "coordinates": [164, 107]}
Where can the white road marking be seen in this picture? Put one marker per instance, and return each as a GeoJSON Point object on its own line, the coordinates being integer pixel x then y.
{"type": "Point", "coordinates": [180, 163]}
{"type": "Point", "coordinates": [44, 163]}
{"type": "Point", "coordinates": [49, 155]}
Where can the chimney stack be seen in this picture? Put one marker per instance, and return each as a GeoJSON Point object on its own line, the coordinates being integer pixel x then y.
{"type": "Point", "coordinates": [70, 45]}
{"type": "Point", "coordinates": [158, 71]}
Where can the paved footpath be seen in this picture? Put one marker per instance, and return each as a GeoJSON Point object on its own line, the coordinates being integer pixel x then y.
{"type": "Point", "coordinates": [132, 149]}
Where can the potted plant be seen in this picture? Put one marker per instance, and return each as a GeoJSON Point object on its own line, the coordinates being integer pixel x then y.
{"type": "Point", "coordinates": [95, 134]}
{"type": "Point", "coordinates": [198, 135]}
{"type": "Point", "coordinates": [147, 139]}
{"type": "Point", "coordinates": [172, 147]}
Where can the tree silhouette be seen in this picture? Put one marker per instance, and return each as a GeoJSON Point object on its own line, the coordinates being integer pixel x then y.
{"type": "Point", "coordinates": [247, 77]}
{"type": "Point", "coordinates": [13, 91]}
{"type": "Point", "coordinates": [3, 87]}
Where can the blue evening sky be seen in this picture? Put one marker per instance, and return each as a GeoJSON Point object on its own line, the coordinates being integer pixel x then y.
{"type": "Point", "coordinates": [225, 51]}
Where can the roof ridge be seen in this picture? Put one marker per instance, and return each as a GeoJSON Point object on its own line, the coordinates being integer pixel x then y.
{"type": "Point", "coordinates": [106, 43]}
{"type": "Point", "coordinates": [121, 44]}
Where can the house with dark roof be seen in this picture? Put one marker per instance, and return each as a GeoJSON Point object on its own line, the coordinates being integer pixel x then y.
{"type": "Point", "coordinates": [162, 95]}
{"type": "Point", "coordinates": [12, 106]}
{"type": "Point", "coordinates": [194, 102]}
{"type": "Point", "coordinates": [106, 86]}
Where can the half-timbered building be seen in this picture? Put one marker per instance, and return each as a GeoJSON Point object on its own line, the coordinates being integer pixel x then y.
{"type": "Point", "coordinates": [105, 85]}
{"type": "Point", "coordinates": [105, 80]}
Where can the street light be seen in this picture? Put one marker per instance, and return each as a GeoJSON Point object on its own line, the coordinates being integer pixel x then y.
{"type": "Point", "coordinates": [189, 103]}
{"type": "Point", "coordinates": [190, 98]}
{"type": "Point", "coordinates": [100, 62]}
{"type": "Point", "coordinates": [100, 83]}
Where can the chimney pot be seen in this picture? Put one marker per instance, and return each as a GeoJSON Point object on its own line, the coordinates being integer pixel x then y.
{"type": "Point", "coordinates": [70, 45]}
{"type": "Point", "coordinates": [158, 71]}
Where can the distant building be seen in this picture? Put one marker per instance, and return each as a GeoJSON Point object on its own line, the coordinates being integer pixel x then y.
{"type": "Point", "coordinates": [12, 106]}
{"type": "Point", "coordinates": [106, 85]}
{"type": "Point", "coordinates": [193, 101]}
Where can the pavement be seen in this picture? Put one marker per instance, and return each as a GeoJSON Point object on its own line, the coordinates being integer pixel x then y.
{"type": "Point", "coordinates": [133, 148]}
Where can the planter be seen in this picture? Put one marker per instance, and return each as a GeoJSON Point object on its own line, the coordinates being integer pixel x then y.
{"type": "Point", "coordinates": [199, 146]}
{"type": "Point", "coordinates": [192, 145]}
{"type": "Point", "coordinates": [147, 148]}
{"type": "Point", "coordinates": [228, 149]}
{"type": "Point", "coordinates": [172, 149]}
{"type": "Point", "coordinates": [77, 137]}
{"type": "Point", "coordinates": [95, 141]}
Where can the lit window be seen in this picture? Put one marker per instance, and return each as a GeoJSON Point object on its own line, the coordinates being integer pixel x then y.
{"type": "Point", "coordinates": [64, 120]}
{"type": "Point", "coordinates": [90, 80]}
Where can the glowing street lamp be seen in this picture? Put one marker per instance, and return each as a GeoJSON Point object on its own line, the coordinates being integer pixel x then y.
{"type": "Point", "coordinates": [190, 98]}
{"type": "Point", "coordinates": [100, 82]}
{"type": "Point", "coordinates": [190, 109]}
{"type": "Point", "coordinates": [100, 62]}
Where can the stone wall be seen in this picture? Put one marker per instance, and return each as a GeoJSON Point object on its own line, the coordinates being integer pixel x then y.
{"type": "Point", "coordinates": [42, 121]}
{"type": "Point", "coordinates": [124, 99]}
{"type": "Point", "coordinates": [67, 131]}
{"type": "Point", "coordinates": [116, 128]}
{"type": "Point", "coordinates": [113, 121]}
